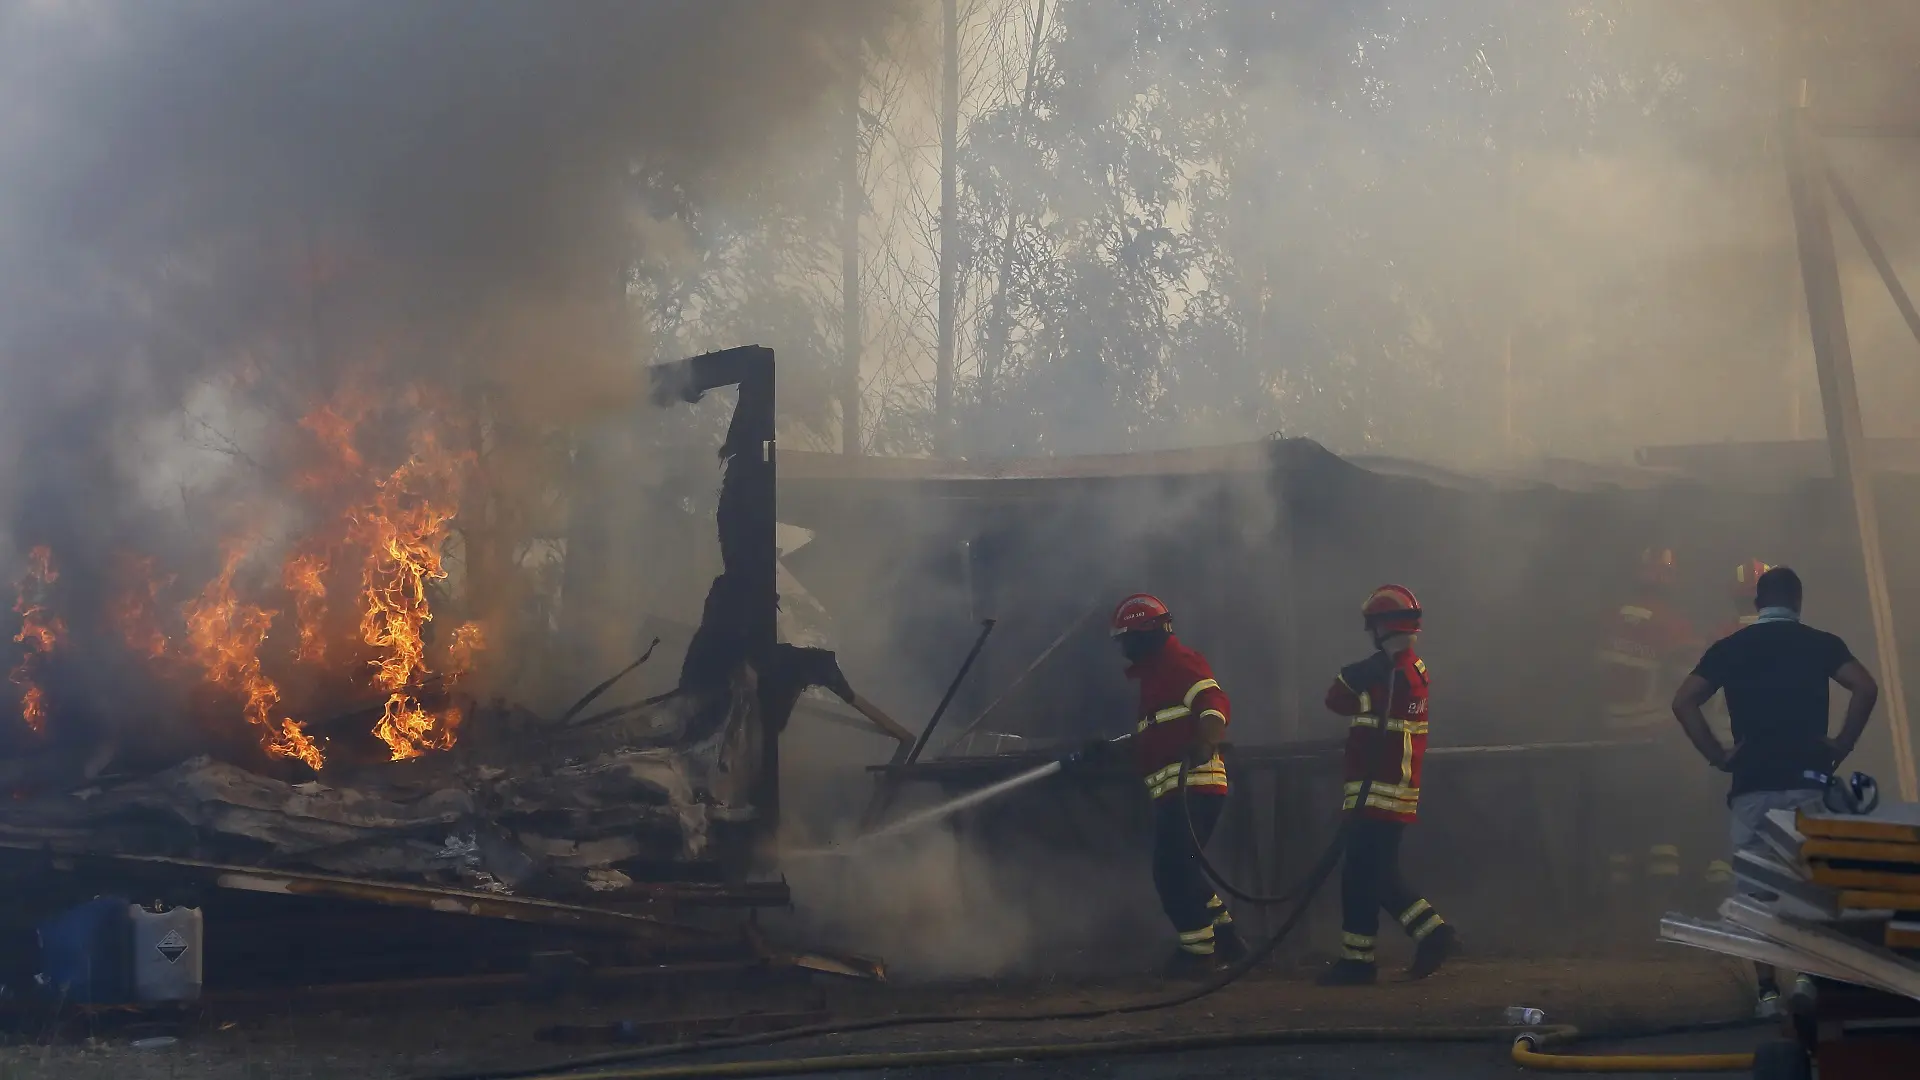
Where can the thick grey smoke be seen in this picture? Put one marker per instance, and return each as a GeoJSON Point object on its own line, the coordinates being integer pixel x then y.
{"type": "Point", "coordinates": [217, 214]}
{"type": "Point", "coordinates": [446, 181]}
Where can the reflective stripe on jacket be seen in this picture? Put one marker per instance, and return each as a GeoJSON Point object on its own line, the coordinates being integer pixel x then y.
{"type": "Point", "coordinates": [1177, 690]}
{"type": "Point", "coordinates": [1387, 750]}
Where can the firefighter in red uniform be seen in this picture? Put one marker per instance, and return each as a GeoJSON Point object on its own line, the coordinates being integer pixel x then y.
{"type": "Point", "coordinates": [1386, 697]}
{"type": "Point", "coordinates": [1645, 648]}
{"type": "Point", "coordinates": [1740, 591]}
{"type": "Point", "coordinates": [1181, 722]}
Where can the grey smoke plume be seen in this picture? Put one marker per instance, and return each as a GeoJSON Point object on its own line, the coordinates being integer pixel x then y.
{"type": "Point", "coordinates": [217, 213]}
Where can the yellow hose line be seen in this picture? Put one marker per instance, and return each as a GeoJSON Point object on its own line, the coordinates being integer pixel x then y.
{"type": "Point", "coordinates": [1527, 1057]}
{"type": "Point", "coordinates": [738, 1070]}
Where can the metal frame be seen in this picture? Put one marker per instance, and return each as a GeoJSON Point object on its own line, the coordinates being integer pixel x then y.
{"type": "Point", "coordinates": [1808, 180]}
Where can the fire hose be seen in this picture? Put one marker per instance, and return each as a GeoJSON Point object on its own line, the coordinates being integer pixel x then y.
{"type": "Point", "coordinates": [1527, 1051]}
{"type": "Point", "coordinates": [1227, 976]}
{"type": "Point", "coordinates": [1220, 880]}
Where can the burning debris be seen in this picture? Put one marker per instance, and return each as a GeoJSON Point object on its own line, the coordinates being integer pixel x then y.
{"type": "Point", "coordinates": [347, 614]}
{"type": "Point", "coordinates": [39, 632]}
{"type": "Point", "coordinates": [293, 643]}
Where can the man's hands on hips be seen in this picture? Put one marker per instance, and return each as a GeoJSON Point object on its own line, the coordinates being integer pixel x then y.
{"type": "Point", "coordinates": [1839, 750]}
{"type": "Point", "coordinates": [1723, 759]}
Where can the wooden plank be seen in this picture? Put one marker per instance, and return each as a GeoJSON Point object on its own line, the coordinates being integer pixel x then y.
{"type": "Point", "coordinates": [1902, 934]}
{"type": "Point", "coordinates": [1867, 880]}
{"type": "Point", "coordinates": [1864, 850]}
{"type": "Point", "coordinates": [1840, 399]}
{"type": "Point", "coordinates": [1878, 900]}
{"type": "Point", "coordinates": [1894, 823]}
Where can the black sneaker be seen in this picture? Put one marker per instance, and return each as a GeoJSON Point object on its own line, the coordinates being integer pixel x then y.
{"type": "Point", "coordinates": [1349, 973]}
{"type": "Point", "coordinates": [1433, 951]}
{"type": "Point", "coordinates": [1227, 943]}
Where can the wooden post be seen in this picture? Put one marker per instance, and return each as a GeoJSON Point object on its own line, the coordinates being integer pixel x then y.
{"type": "Point", "coordinates": [1888, 277]}
{"type": "Point", "coordinates": [851, 198]}
{"type": "Point", "coordinates": [1839, 399]}
{"type": "Point", "coordinates": [949, 230]}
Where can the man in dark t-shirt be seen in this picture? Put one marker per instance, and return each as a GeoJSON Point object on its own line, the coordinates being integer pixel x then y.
{"type": "Point", "coordinates": [1775, 674]}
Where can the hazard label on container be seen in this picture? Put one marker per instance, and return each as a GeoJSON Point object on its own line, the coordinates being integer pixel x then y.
{"type": "Point", "coordinates": [173, 946]}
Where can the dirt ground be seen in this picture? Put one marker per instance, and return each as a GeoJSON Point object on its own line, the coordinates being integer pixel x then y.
{"type": "Point", "coordinates": [387, 1041]}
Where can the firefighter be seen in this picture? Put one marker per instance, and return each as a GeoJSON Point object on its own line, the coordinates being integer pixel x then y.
{"type": "Point", "coordinates": [1386, 697]}
{"type": "Point", "coordinates": [1644, 651]}
{"type": "Point", "coordinates": [1181, 722]}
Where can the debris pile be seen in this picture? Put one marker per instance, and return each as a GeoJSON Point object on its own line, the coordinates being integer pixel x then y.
{"type": "Point", "coordinates": [1834, 895]}
{"type": "Point", "coordinates": [526, 806]}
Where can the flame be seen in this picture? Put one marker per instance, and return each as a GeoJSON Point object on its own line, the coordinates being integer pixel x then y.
{"type": "Point", "coordinates": [333, 425]}
{"type": "Point", "coordinates": [468, 640]}
{"type": "Point", "coordinates": [225, 635]}
{"type": "Point", "coordinates": [136, 613]}
{"type": "Point", "coordinates": [305, 577]}
{"type": "Point", "coordinates": [40, 631]}
{"type": "Point", "coordinates": [393, 523]}
{"type": "Point", "coordinates": [404, 527]}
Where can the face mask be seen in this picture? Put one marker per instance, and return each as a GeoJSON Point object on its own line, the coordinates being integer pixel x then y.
{"type": "Point", "coordinates": [1140, 644]}
{"type": "Point", "coordinates": [1778, 614]}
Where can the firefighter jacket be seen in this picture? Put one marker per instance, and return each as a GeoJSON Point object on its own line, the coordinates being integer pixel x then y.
{"type": "Point", "coordinates": [1643, 646]}
{"type": "Point", "coordinates": [1177, 688]}
{"type": "Point", "coordinates": [1386, 697]}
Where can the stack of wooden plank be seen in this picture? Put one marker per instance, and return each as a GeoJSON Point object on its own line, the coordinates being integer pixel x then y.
{"type": "Point", "coordinates": [1874, 862]}
{"type": "Point", "coordinates": [1836, 895]}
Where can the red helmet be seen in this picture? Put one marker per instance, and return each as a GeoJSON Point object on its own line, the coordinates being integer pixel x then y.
{"type": "Point", "coordinates": [1659, 567]}
{"type": "Point", "coordinates": [1141, 611]}
{"type": "Point", "coordinates": [1745, 577]}
{"type": "Point", "coordinates": [1392, 609]}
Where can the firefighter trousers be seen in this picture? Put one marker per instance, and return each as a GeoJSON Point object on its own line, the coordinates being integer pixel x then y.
{"type": "Point", "coordinates": [1371, 882]}
{"type": "Point", "coordinates": [1185, 893]}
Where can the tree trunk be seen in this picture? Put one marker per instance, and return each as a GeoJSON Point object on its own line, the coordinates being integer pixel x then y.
{"type": "Point", "coordinates": [997, 320]}
{"type": "Point", "coordinates": [851, 197]}
{"type": "Point", "coordinates": [949, 229]}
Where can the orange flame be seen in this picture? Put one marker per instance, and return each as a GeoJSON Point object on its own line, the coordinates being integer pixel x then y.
{"type": "Point", "coordinates": [136, 613]}
{"type": "Point", "coordinates": [333, 424]}
{"type": "Point", "coordinates": [403, 529]}
{"type": "Point", "coordinates": [40, 631]}
{"type": "Point", "coordinates": [304, 577]}
{"type": "Point", "coordinates": [225, 635]}
{"type": "Point", "coordinates": [396, 524]}
{"type": "Point", "coordinates": [468, 639]}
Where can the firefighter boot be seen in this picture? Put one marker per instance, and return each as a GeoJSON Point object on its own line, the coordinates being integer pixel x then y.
{"type": "Point", "coordinates": [1348, 972]}
{"type": "Point", "coordinates": [1190, 965]}
{"type": "Point", "coordinates": [1228, 944]}
{"type": "Point", "coordinates": [1433, 951]}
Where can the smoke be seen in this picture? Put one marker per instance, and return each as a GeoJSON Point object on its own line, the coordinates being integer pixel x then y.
{"type": "Point", "coordinates": [1008, 893]}
{"type": "Point", "coordinates": [448, 182]}
{"type": "Point", "coordinates": [219, 216]}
